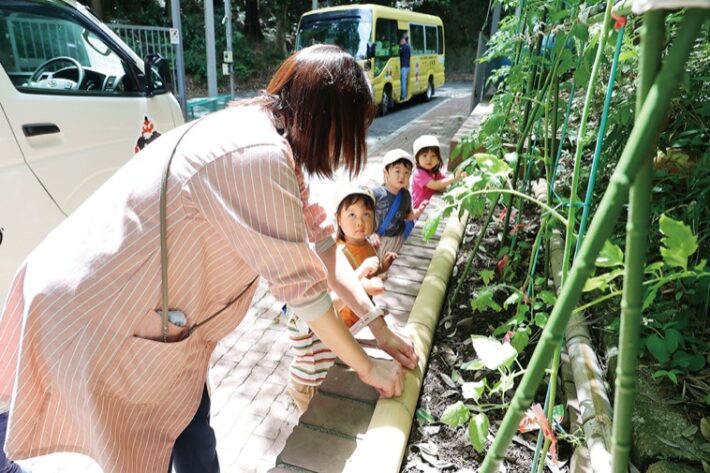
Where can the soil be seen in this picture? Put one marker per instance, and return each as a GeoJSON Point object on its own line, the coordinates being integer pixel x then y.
{"type": "Point", "coordinates": [436, 447]}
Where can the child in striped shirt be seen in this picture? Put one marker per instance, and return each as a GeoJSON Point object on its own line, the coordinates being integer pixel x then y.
{"type": "Point", "coordinates": [355, 216]}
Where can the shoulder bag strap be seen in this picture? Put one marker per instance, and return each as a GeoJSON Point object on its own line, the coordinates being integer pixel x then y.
{"type": "Point", "coordinates": [164, 249]}
{"type": "Point", "coordinates": [390, 214]}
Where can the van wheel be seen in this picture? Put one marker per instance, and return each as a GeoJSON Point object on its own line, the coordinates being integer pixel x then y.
{"type": "Point", "coordinates": [386, 105]}
{"type": "Point", "coordinates": [429, 94]}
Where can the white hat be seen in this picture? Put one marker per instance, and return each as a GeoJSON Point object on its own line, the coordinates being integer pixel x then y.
{"type": "Point", "coordinates": [351, 189]}
{"type": "Point", "coordinates": [395, 155]}
{"type": "Point", "coordinates": [425, 141]}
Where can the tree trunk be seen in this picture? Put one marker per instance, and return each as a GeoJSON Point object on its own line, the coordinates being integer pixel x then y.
{"type": "Point", "coordinates": [98, 8]}
{"type": "Point", "coordinates": [252, 28]}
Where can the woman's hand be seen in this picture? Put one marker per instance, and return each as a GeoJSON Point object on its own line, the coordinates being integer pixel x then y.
{"type": "Point", "coordinates": [385, 376]}
{"type": "Point", "coordinates": [396, 346]}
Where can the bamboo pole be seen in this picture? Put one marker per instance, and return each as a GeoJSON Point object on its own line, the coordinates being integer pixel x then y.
{"type": "Point", "coordinates": [581, 142]}
{"type": "Point", "coordinates": [646, 127]}
{"type": "Point", "coordinates": [652, 38]}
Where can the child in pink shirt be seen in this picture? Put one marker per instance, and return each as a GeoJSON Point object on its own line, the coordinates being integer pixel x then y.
{"type": "Point", "coordinates": [427, 177]}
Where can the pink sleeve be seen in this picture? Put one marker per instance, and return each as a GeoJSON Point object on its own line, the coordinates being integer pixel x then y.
{"type": "Point", "coordinates": [420, 178]}
{"type": "Point", "coordinates": [252, 198]}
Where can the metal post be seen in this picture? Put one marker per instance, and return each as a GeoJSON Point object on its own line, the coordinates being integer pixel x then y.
{"type": "Point", "coordinates": [211, 54]}
{"type": "Point", "coordinates": [314, 4]}
{"type": "Point", "coordinates": [228, 27]}
{"type": "Point", "coordinates": [179, 58]}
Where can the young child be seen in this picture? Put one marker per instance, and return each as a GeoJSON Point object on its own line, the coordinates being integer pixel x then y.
{"type": "Point", "coordinates": [427, 177]}
{"type": "Point", "coordinates": [355, 216]}
{"type": "Point", "coordinates": [394, 213]}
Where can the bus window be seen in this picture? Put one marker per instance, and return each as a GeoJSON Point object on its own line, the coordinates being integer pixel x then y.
{"type": "Point", "coordinates": [351, 34]}
{"type": "Point", "coordinates": [417, 38]}
{"type": "Point", "coordinates": [386, 43]}
{"type": "Point", "coordinates": [440, 35]}
{"type": "Point", "coordinates": [430, 44]}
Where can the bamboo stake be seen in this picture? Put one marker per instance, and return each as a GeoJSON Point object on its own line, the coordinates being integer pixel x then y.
{"type": "Point", "coordinates": [581, 141]}
{"type": "Point", "coordinates": [646, 127]}
{"type": "Point", "coordinates": [652, 38]}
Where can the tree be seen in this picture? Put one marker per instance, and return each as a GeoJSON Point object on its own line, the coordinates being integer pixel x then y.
{"type": "Point", "coordinates": [252, 26]}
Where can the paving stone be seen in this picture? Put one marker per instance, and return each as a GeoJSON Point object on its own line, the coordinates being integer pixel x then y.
{"type": "Point", "coordinates": [342, 381]}
{"type": "Point", "coordinates": [337, 414]}
{"type": "Point", "coordinates": [316, 451]}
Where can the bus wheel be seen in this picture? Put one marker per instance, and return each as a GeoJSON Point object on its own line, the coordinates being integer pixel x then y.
{"type": "Point", "coordinates": [429, 90]}
{"type": "Point", "coordinates": [386, 104]}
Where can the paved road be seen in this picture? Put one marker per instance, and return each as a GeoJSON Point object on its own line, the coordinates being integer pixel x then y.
{"type": "Point", "coordinates": [410, 111]}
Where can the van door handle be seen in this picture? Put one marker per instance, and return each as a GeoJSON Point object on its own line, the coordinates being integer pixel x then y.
{"type": "Point", "coordinates": [36, 129]}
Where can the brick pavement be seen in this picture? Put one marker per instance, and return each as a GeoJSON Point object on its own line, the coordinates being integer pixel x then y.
{"type": "Point", "coordinates": [252, 413]}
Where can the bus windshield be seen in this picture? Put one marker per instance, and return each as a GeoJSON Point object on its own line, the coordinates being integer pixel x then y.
{"type": "Point", "coordinates": [351, 33]}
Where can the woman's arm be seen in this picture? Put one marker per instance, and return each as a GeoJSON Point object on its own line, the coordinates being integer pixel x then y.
{"type": "Point", "coordinates": [385, 376]}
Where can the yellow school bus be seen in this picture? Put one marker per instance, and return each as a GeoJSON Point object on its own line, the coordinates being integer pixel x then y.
{"type": "Point", "coordinates": [372, 34]}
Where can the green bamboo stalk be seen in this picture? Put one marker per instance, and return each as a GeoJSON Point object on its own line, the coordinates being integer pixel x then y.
{"type": "Point", "coordinates": [637, 227]}
{"type": "Point", "coordinates": [646, 127]}
{"type": "Point", "coordinates": [581, 141]}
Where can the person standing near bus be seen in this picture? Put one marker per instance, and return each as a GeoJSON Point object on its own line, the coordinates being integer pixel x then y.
{"type": "Point", "coordinates": [405, 52]}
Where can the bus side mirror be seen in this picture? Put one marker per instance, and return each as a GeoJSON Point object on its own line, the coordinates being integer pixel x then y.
{"type": "Point", "coordinates": [370, 53]}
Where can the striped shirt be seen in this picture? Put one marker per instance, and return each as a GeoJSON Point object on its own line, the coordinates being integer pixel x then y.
{"type": "Point", "coordinates": [75, 374]}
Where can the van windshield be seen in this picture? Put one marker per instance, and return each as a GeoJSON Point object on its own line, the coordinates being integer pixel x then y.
{"type": "Point", "coordinates": [350, 33]}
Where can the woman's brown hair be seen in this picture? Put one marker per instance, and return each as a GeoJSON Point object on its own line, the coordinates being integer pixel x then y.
{"type": "Point", "coordinates": [326, 104]}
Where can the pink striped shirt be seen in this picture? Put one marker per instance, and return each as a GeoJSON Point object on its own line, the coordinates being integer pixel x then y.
{"type": "Point", "coordinates": [78, 378]}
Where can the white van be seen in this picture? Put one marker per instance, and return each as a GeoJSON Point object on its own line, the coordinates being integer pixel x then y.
{"type": "Point", "coordinates": [75, 105]}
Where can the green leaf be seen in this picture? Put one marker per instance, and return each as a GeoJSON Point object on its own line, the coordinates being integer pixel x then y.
{"type": "Point", "coordinates": [487, 276]}
{"type": "Point", "coordinates": [548, 297]}
{"type": "Point", "coordinates": [580, 32]}
{"type": "Point", "coordinates": [540, 319]}
{"type": "Point", "coordinates": [688, 361]}
{"type": "Point", "coordinates": [602, 281]}
{"type": "Point", "coordinates": [649, 297]}
{"type": "Point", "coordinates": [473, 390]}
{"type": "Point", "coordinates": [679, 242]}
{"type": "Point", "coordinates": [424, 416]}
{"type": "Point", "coordinates": [707, 399]}
{"type": "Point", "coordinates": [431, 225]}
{"type": "Point", "coordinates": [520, 340]}
{"type": "Point", "coordinates": [493, 353]}
{"type": "Point", "coordinates": [672, 339]}
{"type": "Point", "coordinates": [455, 414]}
{"type": "Point", "coordinates": [665, 374]}
{"type": "Point", "coordinates": [655, 345]}
{"type": "Point", "coordinates": [705, 425]}
{"type": "Point", "coordinates": [484, 300]}
{"type": "Point", "coordinates": [701, 265]}
{"type": "Point", "coordinates": [478, 431]}
{"type": "Point", "coordinates": [610, 256]}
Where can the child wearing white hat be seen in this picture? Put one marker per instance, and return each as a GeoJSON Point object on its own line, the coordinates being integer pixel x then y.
{"type": "Point", "coordinates": [355, 216]}
{"type": "Point", "coordinates": [394, 212]}
{"type": "Point", "coordinates": [427, 178]}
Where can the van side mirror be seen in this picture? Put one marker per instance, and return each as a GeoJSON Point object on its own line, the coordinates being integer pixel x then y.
{"type": "Point", "coordinates": [370, 51]}
{"type": "Point", "coordinates": [157, 74]}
